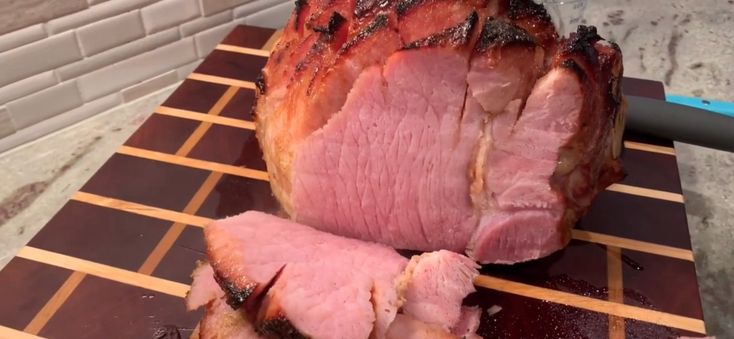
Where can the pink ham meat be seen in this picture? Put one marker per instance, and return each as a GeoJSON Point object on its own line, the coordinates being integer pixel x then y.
{"type": "Point", "coordinates": [440, 124]}
{"type": "Point", "coordinates": [203, 288]}
{"type": "Point", "coordinates": [222, 322]}
{"type": "Point", "coordinates": [290, 280]}
{"type": "Point", "coordinates": [428, 274]}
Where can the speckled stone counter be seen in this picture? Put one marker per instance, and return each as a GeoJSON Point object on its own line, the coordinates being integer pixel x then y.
{"type": "Point", "coordinates": [689, 46]}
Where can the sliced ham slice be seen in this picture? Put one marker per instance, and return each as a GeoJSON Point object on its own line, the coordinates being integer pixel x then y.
{"type": "Point", "coordinates": [407, 327]}
{"type": "Point", "coordinates": [290, 279]}
{"type": "Point", "coordinates": [248, 251]}
{"type": "Point", "coordinates": [203, 287]}
{"type": "Point", "coordinates": [434, 284]}
{"type": "Point", "coordinates": [222, 322]}
{"type": "Point", "coordinates": [468, 323]}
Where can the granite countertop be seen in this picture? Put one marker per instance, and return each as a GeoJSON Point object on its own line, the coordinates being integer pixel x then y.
{"type": "Point", "coordinates": [687, 44]}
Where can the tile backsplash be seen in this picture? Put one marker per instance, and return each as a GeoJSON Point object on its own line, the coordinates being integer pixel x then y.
{"type": "Point", "coordinates": [65, 60]}
{"type": "Point", "coordinates": [16, 14]}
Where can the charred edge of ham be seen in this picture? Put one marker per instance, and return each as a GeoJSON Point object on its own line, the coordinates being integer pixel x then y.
{"type": "Point", "coordinates": [279, 327]}
{"type": "Point", "coordinates": [582, 43]}
{"type": "Point", "coordinates": [578, 53]}
{"type": "Point", "coordinates": [251, 296]}
{"type": "Point", "coordinates": [458, 35]}
{"type": "Point", "coordinates": [380, 21]}
{"type": "Point", "coordinates": [524, 9]}
{"type": "Point", "coordinates": [314, 51]}
{"type": "Point", "coordinates": [535, 19]}
{"type": "Point", "coordinates": [335, 22]}
{"type": "Point", "coordinates": [235, 296]}
{"type": "Point", "coordinates": [299, 6]}
{"type": "Point", "coordinates": [496, 33]}
{"type": "Point", "coordinates": [615, 90]}
{"type": "Point", "coordinates": [404, 6]}
{"type": "Point", "coordinates": [271, 321]}
{"type": "Point", "coordinates": [257, 299]}
{"type": "Point", "coordinates": [365, 6]}
{"type": "Point", "coordinates": [260, 85]}
{"type": "Point", "coordinates": [571, 65]}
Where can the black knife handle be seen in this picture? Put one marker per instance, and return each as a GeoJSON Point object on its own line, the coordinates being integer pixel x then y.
{"type": "Point", "coordinates": [681, 123]}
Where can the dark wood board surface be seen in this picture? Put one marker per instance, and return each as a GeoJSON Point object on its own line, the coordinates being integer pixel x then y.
{"type": "Point", "coordinates": [114, 262]}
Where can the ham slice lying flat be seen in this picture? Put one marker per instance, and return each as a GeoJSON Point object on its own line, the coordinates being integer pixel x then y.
{"type": "Point", "coordinates": [440, 124]}
{"type": "Point", "coordinates": [289, 280]}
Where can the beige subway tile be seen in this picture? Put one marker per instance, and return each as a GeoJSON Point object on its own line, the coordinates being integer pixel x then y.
{"type": "Point", "coordinates": [44, 104]}
{"type": "Point", "coordinates": [139, 68]}
{"type": "Point", "coordinates": [207, 40]}
{"type": "Point", "coordinates": [255, 6]}
{"type": "Point", "coordinates": [37, 57]}
{"type": "Point", "coordinates": [117, 54]}
{"type": "Point", "coordinates": [187, 69]}
{"type": "Point", "coordinates": [16, 14]}
{"type": "Point", "coordinates": [149, 86]}
{"type": "Point", "coordinates": [111, 32]}
{"type": "Point", "coordinates": [210, 7]}
{"type": "Point", "coordinates": [93, 14]}
{"type": "Point", "coordinates": [27, 86]}
{"type": "Point", "coordinates": [21, 37]}
{"type": "Point", "coordinates": [59, 121]}
{"type": "Point", "coordinates": [6, 123]}
{"type": "Point", "coordinates": [169, 13]}
{"type": "Point", "coordinates": [273, 17]}
{"type": "Point", "coordinates": [203, 23]}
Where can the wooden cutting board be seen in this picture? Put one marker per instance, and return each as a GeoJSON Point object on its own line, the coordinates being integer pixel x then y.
{"type": "Point", "coordinates": [115, 261]}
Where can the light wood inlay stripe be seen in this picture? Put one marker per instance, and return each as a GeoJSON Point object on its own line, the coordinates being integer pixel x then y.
{"type": "Point", "coordinates": [179, 290]}
{"type": "Point", "coordinates": [168, 239]}
{"type": "Point", "coordinates": [649, 148]}
{"type": "Point", "coordinates": [163, 214]}
{"type": "Point", "coordinates": [52, 305]}
{"type": "Point", "coordinates": [104, 271]}
{"type": "Point", "coordinates": [630, 244]}
{"type": "Point", "coordinates": [616, 292]}
{"type": "Point", "coordinates": [140, 209]}
{"type": "Point", "coordinates": [154, 258]}
{"type": "Point", "coordinates": [270, 44]}
{"type": "Point", "coordinates": [591, 304]}
{"type": "Point", "coordinates": [195, 163]}
{"type": "Point", "coordinates": [193, 139]}
{"type": "Point", "coordinates": [646, 192]}
{"type": "Point", "coordinates": [200, 130]}
{"type": "Point", "coordinates": [221, 80]}
{"type": "Point", "coordinates": [11, 333]}
{"type": "Point", "coordinates": [243, 50]}
{"type": "Point", "coordinates": [191, 115]}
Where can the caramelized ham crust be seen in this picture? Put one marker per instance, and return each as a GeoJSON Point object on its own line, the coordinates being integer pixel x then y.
{"type": "Point", "coordinates": [440, 124]}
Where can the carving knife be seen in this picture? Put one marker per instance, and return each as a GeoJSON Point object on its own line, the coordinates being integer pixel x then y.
{"type": "Point", "coordinates": [682, 122]}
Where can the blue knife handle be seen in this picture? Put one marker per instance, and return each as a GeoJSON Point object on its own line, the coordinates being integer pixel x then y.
{"type": "Point", "coordinates": [721, 107]}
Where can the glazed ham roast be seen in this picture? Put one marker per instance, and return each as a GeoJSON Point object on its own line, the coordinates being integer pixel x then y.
{"type": "Point", "coordinates": [463, 125]}
{"type": "Point", "coordinates": [271, 277]}
{"type": "Point", "coordinates": [431, 125]}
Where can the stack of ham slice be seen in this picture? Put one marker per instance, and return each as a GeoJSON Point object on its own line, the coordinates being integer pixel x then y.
{"type": "Point", "coordinates": [270, 277]}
